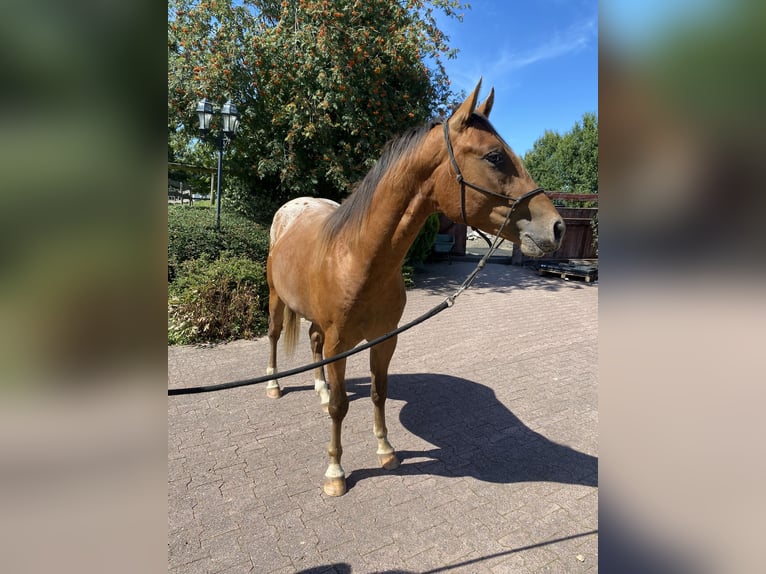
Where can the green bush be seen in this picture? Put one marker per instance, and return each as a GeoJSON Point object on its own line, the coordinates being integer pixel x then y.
{"type": "Point", "coordinates": [217, 300]}
{"type": "Point", "coordinates": [217, 289]}
{"type": "Point", "coordinates": [192, 234]}
{"type": "Point", "coordinates": [594, 226]}
{"type": "Point", "coordinates": [424, 242]}
{"type": "Point", "coordinates": [255, 206]}
{"type": "Point", "coordinates": [408, 274]}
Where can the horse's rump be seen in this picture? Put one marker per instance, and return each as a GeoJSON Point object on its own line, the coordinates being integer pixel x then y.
{"type": "Point", "coordinates": [295, 210]}
{"type": "Point", "coordinates": [293, 239]}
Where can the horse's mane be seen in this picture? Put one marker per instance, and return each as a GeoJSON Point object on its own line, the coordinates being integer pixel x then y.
{"type": "Point", "coordinates": [351, 213]}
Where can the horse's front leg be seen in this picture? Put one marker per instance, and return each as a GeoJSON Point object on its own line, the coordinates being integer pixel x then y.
{"type": "Point", "coordinates": [380, 358]}
{"type": "Point", "coordinates": [335, 477]}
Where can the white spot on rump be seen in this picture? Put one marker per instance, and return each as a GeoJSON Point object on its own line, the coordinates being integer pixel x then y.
{"type": "Point", "coordinates": [292, 210]}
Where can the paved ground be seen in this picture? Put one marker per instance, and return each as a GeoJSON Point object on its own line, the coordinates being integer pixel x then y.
{"type": "Point", "coordinates": [476, 248]}
{"type": "Point", "coordinates": [492, 408]}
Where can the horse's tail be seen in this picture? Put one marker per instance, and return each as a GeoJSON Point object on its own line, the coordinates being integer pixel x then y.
{"type": "Point", "coordinates": [292, 329]}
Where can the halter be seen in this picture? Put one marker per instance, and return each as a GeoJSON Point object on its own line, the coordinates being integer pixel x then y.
{"type": "Point", "coordinates": [463, 184]}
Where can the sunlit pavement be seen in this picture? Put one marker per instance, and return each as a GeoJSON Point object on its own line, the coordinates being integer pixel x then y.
{"type": "Point", "coordinates": [492, 409]}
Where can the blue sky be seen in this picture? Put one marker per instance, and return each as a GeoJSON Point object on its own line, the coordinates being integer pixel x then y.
{"type": "Point", "coordinates": [541, 57]}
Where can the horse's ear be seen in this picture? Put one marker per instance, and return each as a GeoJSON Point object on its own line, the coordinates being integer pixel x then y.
{"type": "Point", "coordinates": [486, 106]}
{"type": "Point", "coordinates": [463, 113]}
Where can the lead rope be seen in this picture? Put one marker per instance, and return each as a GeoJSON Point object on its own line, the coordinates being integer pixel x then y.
{"type": "Point", "coordinates": [482, 262]}
{"type": "Point", "coordinates": [448, 302]}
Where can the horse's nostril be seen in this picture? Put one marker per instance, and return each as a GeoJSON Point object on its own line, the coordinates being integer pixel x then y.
{"type": "Point", "coordinates": [558, 230]}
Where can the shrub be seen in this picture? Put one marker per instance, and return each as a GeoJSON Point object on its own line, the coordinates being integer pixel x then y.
{"type": "Point", "coordinates": [408, 274]}
{"type": "Point", "coordinates": [594, 226]}
{"type": "Point", "coordinates": [254, 205]}
{"type": "Point", "coordinates": [216, 300]}
{"type": "Point", "coordinates": [192, 234]}
{"type": "Point", "coordinates": [424, 242]}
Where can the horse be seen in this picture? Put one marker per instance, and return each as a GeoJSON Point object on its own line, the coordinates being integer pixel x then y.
{"type": "Point", "coordinates": [339, 266]}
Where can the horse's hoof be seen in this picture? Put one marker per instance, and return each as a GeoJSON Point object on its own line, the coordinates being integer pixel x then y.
{"type": "Point", "coordinates": [274, 392]}
{"type": "Point", "coordinates": [334, 486]}
{"type": "Point", "coordinates": [326, 408]}
{"type": "Point", "coordinates": [389, 461]}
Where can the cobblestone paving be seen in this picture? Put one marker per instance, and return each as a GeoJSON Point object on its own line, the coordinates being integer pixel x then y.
{"type": "Point", "coordinates": [492, 408]}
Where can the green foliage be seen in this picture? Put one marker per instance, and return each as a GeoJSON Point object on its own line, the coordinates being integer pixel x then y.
{"type": "Point", "coordinates": [421, 247]}
{"type": "Point", "coordinates": [321, 85]}
{"type": "Point", "coordinates": [192, 234]}
{"type": "Point", "coordinates": [218, 289]}
{"type": "Point", "coordinates": [238, 198]}
{"type": "Point", "coordinates": [567, 162]}
{"type": "Point", "coordinates": [594, 226]}
{"type": "Point", "coordinates": [214, 300]}
{"type": "Point", "coordinates": [408, 274]}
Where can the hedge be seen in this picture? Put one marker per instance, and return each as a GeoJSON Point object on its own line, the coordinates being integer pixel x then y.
{"type": "Point", "coordinates": [214, 300]}
{"type": "Point", "coordinates": [192, 234]}
{"type": "Point", "coordinates": [217, 278]}
{"type": "Point", "coordinates": [423, 245]}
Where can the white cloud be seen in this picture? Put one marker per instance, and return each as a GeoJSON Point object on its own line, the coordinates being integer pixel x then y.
{"type": "Point", "coordinates": [465, 72]}
{"type": "Point", "coordinates": [574, 39]}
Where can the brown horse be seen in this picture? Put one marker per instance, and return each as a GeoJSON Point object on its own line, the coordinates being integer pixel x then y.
{"type": "Point", "coordinates": [340, 266]}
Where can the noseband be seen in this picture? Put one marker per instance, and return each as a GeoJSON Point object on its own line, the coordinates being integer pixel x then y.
{"type": "Point", "coordinates": [463, 184]}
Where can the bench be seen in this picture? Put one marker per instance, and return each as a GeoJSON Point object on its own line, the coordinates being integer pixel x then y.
{"type": "Point", "coordinates": [176, 192]}
{"type": "Point", "coordinates": [443, 245]}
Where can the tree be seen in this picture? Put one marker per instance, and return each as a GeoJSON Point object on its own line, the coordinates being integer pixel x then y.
{"type": "Point", "coordinates": [321, 85]}
{"type": "Point", "coordinates": [567, 162]}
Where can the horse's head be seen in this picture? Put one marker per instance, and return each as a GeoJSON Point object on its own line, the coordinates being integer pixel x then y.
{"type": "Point", "coordinates": [493, 177]}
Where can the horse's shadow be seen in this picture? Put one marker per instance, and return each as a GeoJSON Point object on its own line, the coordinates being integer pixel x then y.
{"type": "Point", "coordinates": [473, 434]}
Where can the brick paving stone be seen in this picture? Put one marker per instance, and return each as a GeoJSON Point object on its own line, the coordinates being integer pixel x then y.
{"type": "Point", "coordinates": [528, 560]}
{"type": "Point", "coordinates": [266, 557]}
{"type": "Point", "coordinates": [202, 566]}
{"type": "Point", "coordinates": [225, 551]}
{"type": "Point", "coordinates": [244, 568]}
{"type": "Point", "coordinates": [184, 546]}
{"type": "Point", "coordinates": [493, 411]}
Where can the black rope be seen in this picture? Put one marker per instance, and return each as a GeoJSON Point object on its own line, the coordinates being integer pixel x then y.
{"type": "Point", "coordinates": [232, 384]}
{"type": "Point", "coordinates": [448, 302]}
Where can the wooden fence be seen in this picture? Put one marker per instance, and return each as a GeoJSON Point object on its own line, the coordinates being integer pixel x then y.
{"type": "Point", "coordinates": [173, 194]}
{"type": "Point", "coordinates": [578, 239]}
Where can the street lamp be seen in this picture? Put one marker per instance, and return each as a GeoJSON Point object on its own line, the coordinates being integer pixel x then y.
{"type": "Point", "coordinates": [229, 126]}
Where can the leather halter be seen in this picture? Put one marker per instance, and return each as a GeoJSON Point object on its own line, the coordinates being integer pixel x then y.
{"type": "Point", "coordinates": [463, 184]}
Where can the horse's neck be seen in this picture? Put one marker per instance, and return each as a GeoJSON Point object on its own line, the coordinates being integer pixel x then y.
{"type": "Point", "coordinates": [400, 207]}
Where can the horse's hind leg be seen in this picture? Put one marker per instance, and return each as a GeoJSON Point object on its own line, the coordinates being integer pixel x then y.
{"type": "Point", "coordinates": [276, 317]}
{"type": "Point", "coordinates": [320, 383]}
{"type": "Point", "coordinates": [380, 358]}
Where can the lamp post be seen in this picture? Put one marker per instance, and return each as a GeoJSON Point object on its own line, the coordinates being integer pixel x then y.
{"type": "Point", "coordinates": [228, 129]}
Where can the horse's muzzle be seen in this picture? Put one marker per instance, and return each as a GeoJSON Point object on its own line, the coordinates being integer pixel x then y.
{"type": "Point", "coordinates": [537, 242]}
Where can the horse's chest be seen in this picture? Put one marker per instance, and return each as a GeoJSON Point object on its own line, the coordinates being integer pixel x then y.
{"type": "Point", "coordinates": [374, 305]}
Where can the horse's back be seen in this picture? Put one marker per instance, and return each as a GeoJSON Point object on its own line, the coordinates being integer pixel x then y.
{"type": "Point", "coordinates": [309, 211]}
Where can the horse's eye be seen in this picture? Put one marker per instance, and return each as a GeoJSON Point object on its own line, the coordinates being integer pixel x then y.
{"type": "Point", "coordinates": [495, 158]}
